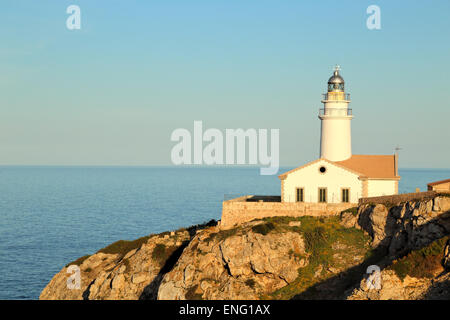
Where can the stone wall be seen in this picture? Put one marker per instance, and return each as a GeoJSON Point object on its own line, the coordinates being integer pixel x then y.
{"type": "Point", "coordinates": [398, 198]}
{"type": "Point", "coordinates": [237, 211]}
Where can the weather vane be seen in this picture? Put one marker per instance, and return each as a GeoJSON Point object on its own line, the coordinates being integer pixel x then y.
{"type": "Point", "coordinates": [337, 68]}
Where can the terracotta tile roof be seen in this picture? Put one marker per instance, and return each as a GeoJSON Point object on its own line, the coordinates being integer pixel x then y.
{"type": "Point", "coordinates": [438, 182]}
{"type": "Point", "coordinates": [372, 166]}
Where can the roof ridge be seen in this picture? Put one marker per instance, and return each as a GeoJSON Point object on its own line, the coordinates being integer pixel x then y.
{"type": "Point", "coordinates": [371, 155]}
{"type": "Point", "coordinates": [438, 182]}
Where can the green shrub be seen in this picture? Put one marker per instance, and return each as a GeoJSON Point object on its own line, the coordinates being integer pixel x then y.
{"type": "Point", "coordinates": [222, 235]}
{"type": "Point", "coordinates": [421, 263]}
{"type": "Point", "coordinates": [353, 211]}
{"type": "Point", "coordinates": [263, 228]}
{"type": "Point", "coordinates": [78, 262]}
{"type": "Point", "coordinates": [315, 239]}
{"type": "Point", "coordinates": [251, 283]}
{"type": "Point", "coordinates": [159, 253]}
{"type": "Point", "coordinates": [122, 247]}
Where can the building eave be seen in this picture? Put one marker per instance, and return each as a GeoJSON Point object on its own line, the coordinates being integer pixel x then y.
{"type": "Point", "coordinates": [284, 175]}
{"type": "Point", "coordinates": [385, 178]}
{"type": "Point", "coordinates": [431, 184]}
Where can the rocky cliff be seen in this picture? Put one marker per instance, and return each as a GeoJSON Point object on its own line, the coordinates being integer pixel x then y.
{"type": "Point", "coordinates": [123, 270]}
{"type": "Point", "coordinates": [415, 236]}
{"type": "Point", "coordinates": [406, 226]}
{"type": "Point", "coordinates": [278, 258]}
{"type": "Point", "coordinates": [421, 274]}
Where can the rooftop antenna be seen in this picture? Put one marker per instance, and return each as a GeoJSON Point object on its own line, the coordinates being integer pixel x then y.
{"type": "Point", "coordinates": [397, 149]}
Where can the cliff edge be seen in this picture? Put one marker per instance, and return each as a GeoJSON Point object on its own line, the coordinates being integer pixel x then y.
{"type": "Point", "coordinates": [278, 258]}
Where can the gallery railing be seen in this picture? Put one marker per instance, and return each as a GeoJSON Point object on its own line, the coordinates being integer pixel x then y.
{"type": "Point", "coordinates": [336, 96]}
{"type": "Point", "coordinates": [335, 112]}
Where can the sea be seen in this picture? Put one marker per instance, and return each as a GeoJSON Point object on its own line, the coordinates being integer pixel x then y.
{"type": "Point", "coordinates": [50, 216]}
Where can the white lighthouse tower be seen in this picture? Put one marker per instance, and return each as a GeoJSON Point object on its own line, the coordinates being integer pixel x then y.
{"type": "Point", "coordinates": [338, 176]}
{"type": "Point", "coordinates": [335, 137]}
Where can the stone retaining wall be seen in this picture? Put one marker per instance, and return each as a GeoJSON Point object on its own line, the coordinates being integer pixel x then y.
{"type": "Point", "coordinates": [398, 198]}
{"type": "Point", "coordinates": [237, 211]}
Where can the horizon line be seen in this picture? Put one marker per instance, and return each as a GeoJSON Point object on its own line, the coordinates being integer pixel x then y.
{"type": "Point", "coordinates": [177, 166]}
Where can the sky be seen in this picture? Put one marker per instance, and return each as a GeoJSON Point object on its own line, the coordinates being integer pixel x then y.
{"type": "Point", "coordinates": [112, 92]}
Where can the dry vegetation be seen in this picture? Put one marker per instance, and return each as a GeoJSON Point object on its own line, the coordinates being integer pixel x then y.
{"type": "Point", "coordinates": [423, 263]}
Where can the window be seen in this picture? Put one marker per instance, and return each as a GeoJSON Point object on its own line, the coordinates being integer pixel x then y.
{"type": "Point", "coordinates": [300, 195]}
{"type": "Point", "coordinates": [322, 169]}
{"type": "Point", "coordinates": [345, 195]}
{"type": "Point", "coordinates": [322, 194]}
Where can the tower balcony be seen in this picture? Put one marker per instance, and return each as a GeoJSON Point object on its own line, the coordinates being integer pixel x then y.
{"type": "Point", "coordinates": [336, 96]}
{"type": "Point", "coordinates": [339, 112]}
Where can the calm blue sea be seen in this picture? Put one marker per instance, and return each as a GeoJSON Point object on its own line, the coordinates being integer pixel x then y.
{"type": "Point", "coordinates": [50, 216]}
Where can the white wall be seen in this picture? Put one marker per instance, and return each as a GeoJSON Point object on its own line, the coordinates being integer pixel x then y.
{"type": "Point", "coordinates": [336, 140]}
{"type": "Point", "coordinates": [442, 187]}
{"type": "Point", "coordinates": [335, 136]}
{"type": "Point", "coordinates": [381, 188]}
{"type": "Point", "coordinates": [311, 180]}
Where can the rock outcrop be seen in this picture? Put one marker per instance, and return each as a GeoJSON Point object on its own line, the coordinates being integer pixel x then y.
{"type": "Point", "coordinates": [446, 259]}
{"type": "Point", "coordinates": [137, 270]}
{"type": "Point", "coordinates": [418, 275]}
{"type": "Point", "coordinates": [414, 235]}
{"type": "Point", "coordinates": [241, 266]}
{"type": "Point", "coordinates": [125, 274]}
{"type": "Point", "coordinates": [392, 288]}
{"type": "Point", "coordinates": [349, 219]}
{"type": "Point", "coordinates": [406, 226]}
{"type": "Point", "coordinates": [90, 268]}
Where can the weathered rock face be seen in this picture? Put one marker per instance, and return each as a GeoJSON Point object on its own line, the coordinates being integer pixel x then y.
{"type": "Point", "coordinates": [349, 220]}
{"type": "Point", "coordinates": [392, 288]}
{"type": "Point", "coordinates": [135, 272]}
{"type": "Point", "coordinates": [247, 262]}
{"type": "Point", "coordinates": [407, 226]}
{"type": "Point", "coordinates": [410, 288]}
{"type": "Point", "coordinates": [382, 224]}
{"type": "Point", "coordinates": [122, 276]}
{"type": "Point", "coordinates": [418, 275]}
{"type": "Point", "coordinates": [241, 266]}
{"type": "Point", "coordinates": [57, 289]}
{"type": "Point", "coordinates": [446, 259]}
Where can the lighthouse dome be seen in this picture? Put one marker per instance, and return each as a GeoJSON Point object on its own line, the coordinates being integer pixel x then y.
{"type": "Point", "coordinates": [336, 82]}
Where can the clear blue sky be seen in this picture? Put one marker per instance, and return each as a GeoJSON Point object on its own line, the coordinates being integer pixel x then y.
{"type": "Point", "coordinates": [112, 92]}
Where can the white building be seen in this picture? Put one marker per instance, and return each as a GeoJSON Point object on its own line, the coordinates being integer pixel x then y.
{"type": "Point", "coordinates": [338, 176]}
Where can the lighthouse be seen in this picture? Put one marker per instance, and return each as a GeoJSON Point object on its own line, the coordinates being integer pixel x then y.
{"type": "Point", "coordinates": [335, 117]}
{"type": "Point", "coordinates": [338, 176]}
